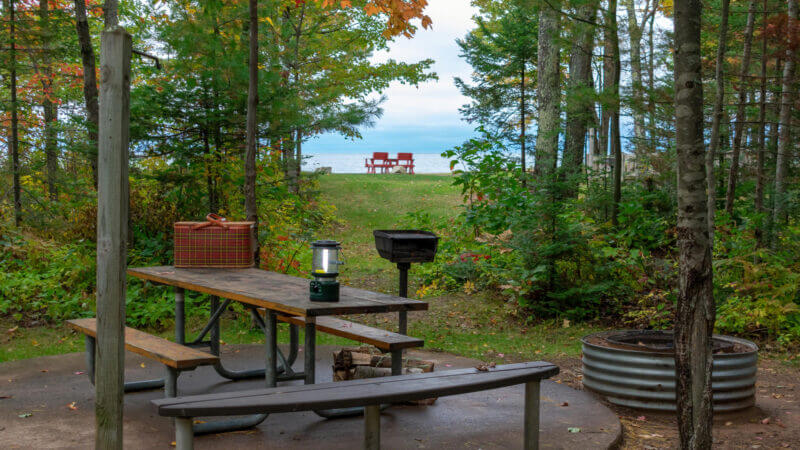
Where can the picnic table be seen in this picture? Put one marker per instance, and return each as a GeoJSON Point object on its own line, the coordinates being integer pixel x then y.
{"type": "Point", "coordinates": [280, 297]}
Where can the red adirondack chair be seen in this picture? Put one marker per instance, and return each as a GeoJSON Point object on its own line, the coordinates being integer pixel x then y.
{"type": "Point", "coordinates": [406, 160]}
{"type": "Point", "coordinates": [379, 160]}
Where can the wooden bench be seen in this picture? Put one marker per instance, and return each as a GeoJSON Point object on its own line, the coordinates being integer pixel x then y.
{"type": "Point", "coordinates": [379, 160]}
{"type": "Point", "coordinates": [386, 341]}
{"type": "Point", "coordinates": [406, 160]}
{"type": "Point", "coordinates": [369, 393]}
{"type": "Point", "coordinates": [175, 357]}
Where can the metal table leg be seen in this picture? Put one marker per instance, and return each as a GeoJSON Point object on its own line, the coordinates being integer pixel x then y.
{"type": "Point", "coordinates": [271, 341]}
{"type": "Point", "coordinates": [311, 350]}
{"type": "Point", "coordinates": [214, 344]}
{"type": "Point", "coordinates": [310, 364]}
{"type": "Point", "coordinates": [270, 378]}
{"type": "Point", "coordinates": [180, 316]}
{"type": "Point", "coordinates": [284, 370]}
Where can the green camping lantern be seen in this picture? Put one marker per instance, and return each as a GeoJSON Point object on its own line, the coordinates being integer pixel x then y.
{"type": "Point", "coordinates": [325, 268]}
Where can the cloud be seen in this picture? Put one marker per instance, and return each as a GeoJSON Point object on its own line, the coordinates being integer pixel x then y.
{"type": "Point", "coordinates": [427, 114]}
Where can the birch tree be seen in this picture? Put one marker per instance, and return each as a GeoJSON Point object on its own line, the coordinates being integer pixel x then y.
{"type": "Point", "coordinates": [694, 321]}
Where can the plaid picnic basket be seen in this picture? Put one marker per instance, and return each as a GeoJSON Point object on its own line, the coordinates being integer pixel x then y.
{"type": "Point", "coordinates": [214, 243]}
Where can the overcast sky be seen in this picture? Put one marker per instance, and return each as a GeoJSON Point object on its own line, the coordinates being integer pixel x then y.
{"type": "Point", "coordinates": [422, 119]}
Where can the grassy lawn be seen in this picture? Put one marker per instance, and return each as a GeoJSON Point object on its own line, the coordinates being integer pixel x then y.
{"type": "Point", "coordinates": [476, 325]}
{"type": "Point", "coordinates": [373, 202]}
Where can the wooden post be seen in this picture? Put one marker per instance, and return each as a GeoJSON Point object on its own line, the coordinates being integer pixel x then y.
{"type": "Point", "coordinates": [372, 427]}
{"type": "Point", "coordinates": [531, 416]}
{"type": "Point", "coordinates": [112, 228]}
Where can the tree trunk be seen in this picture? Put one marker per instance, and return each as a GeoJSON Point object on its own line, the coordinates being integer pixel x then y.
{"type": "Point", "coordinates": [89, 82]}
{"type": "Point", "coordinates": [580, 104]}
{"type": "Point", "coordinates": [762, 133]}
{"type": "Point", "coordinates": [637, 106]}
{"type": "Point", "coordinates": [110, 13]}
{"type": "Point", "coordinates": [549, 90]}
{"type": "Point", "coordinates": [616, 143]}
{"type": "Point", "coordinates": [651, 101]}
{"type": "Point", "coordinates": [522, 126]}
{"type": "Point", "coordinates": [694, 321]}
{"type": "Point", "coordinates": [741, 117]}
{"type": "Point", "coordinates": [49, 109]}
{"type": "Point", "coordinates": [608, 83]}
{"type": "Point", "coordinates": [251, 206]}
{"type": "Point", "coordinates": [784, 144]}
{"type": "Point", "coordinates": [719, 98]}
{"type": "Point", "coordinates": [14, 135]}
{"type": "Point", "coordinates": [298, 157]}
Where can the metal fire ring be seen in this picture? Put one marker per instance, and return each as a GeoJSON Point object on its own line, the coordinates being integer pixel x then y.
{"type": "Point", "coordinates": [636, 376]}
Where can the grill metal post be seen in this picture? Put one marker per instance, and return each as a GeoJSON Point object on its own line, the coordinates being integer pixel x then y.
{"type": "Point", "coordinates": [180, 316]}
{"type": "Point", "coordinates": [403, 267]}
{"type": "Point", "coordinates": [402, 322]}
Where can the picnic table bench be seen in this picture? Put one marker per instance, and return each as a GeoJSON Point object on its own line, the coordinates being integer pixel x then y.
{"type": "Point", "coordinates": [368, 393]}
{"type": "Point", "coordinates": [406, 160]}
{"type": "Point", "coordinates": [379, 160]}
{"type": "Point", "coordinates": [384, 340]}
{"type": "Point", "coordinates": [175, 357]}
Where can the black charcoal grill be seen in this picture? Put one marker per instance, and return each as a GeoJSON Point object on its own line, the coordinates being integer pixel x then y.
{"type": "Point", "coordinates": [404, 247]}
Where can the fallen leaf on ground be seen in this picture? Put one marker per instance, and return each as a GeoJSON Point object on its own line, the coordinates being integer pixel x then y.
{"type": "Point", "coordinates": [574, 430]}
{"type": "Point", "coordinates": [173, 443]}
{"type": "Point", "coordinates": [43, 371]}
{"type": "Point", "coordinates": [72, 406]}
{"type": "Point", "coordinates": [12, 330]}
{"type": "Point", "coordinates": [142, 365]}
{"type": "Point", "coordinates": [483, 367]}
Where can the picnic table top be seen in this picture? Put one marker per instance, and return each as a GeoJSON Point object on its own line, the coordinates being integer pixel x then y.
{"type": "Point", "coordinates": [275, 291]}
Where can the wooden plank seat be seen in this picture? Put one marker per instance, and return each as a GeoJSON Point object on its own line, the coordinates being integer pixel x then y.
{"type": "Point", "coordinates": [406, 160]}
{"type": "Point", "coordinates": [175, 357]}
{"type": "Point", "coordinates": [384, 340]}
{"type": "Point", "coordinates": [369, 393]}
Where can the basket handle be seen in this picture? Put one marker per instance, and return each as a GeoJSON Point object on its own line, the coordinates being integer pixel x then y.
{"type": "Point", "coordinates": [212, 219]}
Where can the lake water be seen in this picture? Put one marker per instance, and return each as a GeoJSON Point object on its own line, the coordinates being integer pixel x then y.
{"type": "Point", "coordinates": [354, 163]}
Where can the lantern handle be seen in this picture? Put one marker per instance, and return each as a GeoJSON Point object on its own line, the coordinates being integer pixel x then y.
{"type": "Point", "coordinates": [341, 256]}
